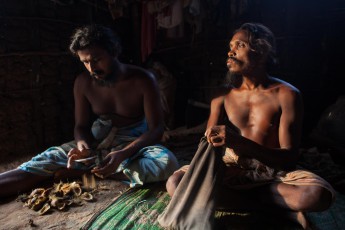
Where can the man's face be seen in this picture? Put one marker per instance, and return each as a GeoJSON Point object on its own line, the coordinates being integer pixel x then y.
{"type": "Point", "coordinates": [240, 57]}
{"type": "Point", "coordinates": [99, 63]}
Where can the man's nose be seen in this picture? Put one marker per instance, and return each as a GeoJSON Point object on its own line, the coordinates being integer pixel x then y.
{"type": "Point", "coordinates": [231, 53]}
{"type": "Point", "coordinates": [92, 67]}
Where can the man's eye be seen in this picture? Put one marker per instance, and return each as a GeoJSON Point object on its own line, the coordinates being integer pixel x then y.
{"type": "Point", "coordinates": [241, 45]}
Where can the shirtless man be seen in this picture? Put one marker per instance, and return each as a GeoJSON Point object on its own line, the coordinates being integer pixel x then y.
{"type": "Point", "coordinates": [125, 99]}
{"type": "Point", "coordinates": [265, 121]}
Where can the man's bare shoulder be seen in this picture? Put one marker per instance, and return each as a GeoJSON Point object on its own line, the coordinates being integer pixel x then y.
{"type": "Point", "coordinates": [82, 80]}
{"type": "Point", "coordinates": [218, 101]}
{"type": "Point", "coordinates": [287, 93]}
{"type": "Point", "coordinates": [140, 78]}
{"type": "Point", "coordinates": [284, 87]}
{"type": "Point", "coordinates": [138, 73]}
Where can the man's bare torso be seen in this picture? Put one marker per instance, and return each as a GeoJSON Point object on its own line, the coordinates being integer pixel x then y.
{"type": "Point", "coordinates": [256, 113]}
{"type": "Point", "coordinates": [122, 102]}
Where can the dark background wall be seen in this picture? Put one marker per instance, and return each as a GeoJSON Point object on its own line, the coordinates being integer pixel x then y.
{"type": "Point", "coordinates": [37, 71]}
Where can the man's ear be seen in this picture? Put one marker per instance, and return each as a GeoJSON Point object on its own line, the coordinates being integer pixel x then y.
{"type": "Point", "coordinates": [261, 57]}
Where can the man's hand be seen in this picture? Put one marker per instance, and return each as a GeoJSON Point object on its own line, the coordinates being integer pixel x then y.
{"type": "Point", "coordinates": [216, 135]}
{"type": "Point", "coordinates": [75, 154]}
{"type": "Point", "coordinates": [109, 165]}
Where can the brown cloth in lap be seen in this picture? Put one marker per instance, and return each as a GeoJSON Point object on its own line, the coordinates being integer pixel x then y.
{"type": "Point", "coordinates": [193, 203]}
{"type": "Point", "coordinates": [242, 171]}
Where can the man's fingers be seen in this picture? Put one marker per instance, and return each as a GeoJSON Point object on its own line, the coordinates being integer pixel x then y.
{"type": "Point", "coordinates": [217, 140]}
{"type": "Point", "coordinates": [85, 153]}
{"type": "Point", "coordinates": [82, 154]}
{"type": "Point", "coordinates": [104, 169]}
{"type": "Point", "coordinates": [102, 172]}
{"type": "Point", "coordinates": [71, 159]}
{"type": "Point", "coordinates": [209, 134]}
{"type": "Point", "coordinates": [101, 169]}
{"type": "Point", "coordinates": [217, 144]}
{"type": "Point", "coordinates": [72, 151]}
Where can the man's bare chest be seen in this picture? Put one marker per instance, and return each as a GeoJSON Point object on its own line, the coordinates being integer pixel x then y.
{"type": "Point", "coordinates": [261, 113]}
{"type": "Point", "coordinates": [123, 102]}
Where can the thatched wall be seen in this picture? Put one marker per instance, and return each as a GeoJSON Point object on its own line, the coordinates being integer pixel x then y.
{"type": "Point", "coordinates": [37, 71]}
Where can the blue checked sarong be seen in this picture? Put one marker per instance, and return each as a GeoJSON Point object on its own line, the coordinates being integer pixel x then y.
{"type": "Point", "coordinates": [150, 164]}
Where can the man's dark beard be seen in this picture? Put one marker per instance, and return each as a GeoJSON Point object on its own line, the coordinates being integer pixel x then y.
{"type": "Point", "coordinates": [233, 80]}
{"type": "Point", "coordinates": [107, 81]}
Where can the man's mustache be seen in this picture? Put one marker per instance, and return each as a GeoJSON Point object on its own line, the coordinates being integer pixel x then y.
{"type": "Point", "coordinates": [96, 72]}
{"type": "Point", "coordinates": [234, 59]}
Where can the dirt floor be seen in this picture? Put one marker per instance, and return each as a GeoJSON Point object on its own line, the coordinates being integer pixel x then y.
{"type": "Point", "coordinates": [14, 216]}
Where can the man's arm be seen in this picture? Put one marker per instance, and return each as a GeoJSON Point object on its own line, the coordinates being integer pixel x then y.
{"type": "Point", "coordinates": [82, 128]}
{"type": "Point", "coordinates": [290, 126]}
{"type": "Point", "coordinates": [215, 115]}
{"type": "Point", "coordinates": [154, 117]}
{"type": "Point", "coordinates": [153, 114]}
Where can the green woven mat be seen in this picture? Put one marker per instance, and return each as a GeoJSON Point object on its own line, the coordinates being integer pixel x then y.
{"type": "Point", "coordinates": [135, 209]}
{"type": "Point", "coordinates": [140, 208]}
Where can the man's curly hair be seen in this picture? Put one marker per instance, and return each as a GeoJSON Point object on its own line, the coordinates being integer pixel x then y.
{"type": "Point", "coordinates": [90, 35]}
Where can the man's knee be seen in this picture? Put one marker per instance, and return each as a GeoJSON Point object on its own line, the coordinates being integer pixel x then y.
{"type": "Point", "coordinates": [173, 182]}
{"type": "Point", "coordinates": [313, 198]}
